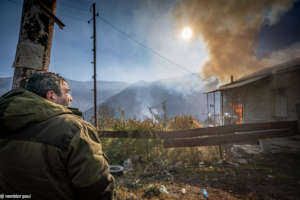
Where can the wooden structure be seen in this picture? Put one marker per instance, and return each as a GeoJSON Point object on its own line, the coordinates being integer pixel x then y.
{"type": "Point", "coordinates": [35, 39]}
{"type": "Point", "coordinates": [229, 134]}
{"type": "Point", "coordinates": [264, 104]}
{"type": "Point", "coordinates": [270, 94]}
{"type": "Point", "coordinates": [233, 134]}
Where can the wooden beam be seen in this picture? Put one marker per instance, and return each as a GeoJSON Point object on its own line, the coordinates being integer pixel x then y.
{"type": "Point", "coordinates": [51, 15]}
{"type": "Point", "coordinates": [229, 139]}
{"type": "Point", "coordinates": [198, 132]}
{"type": "Point", "coordinates": [35, 40]}
{"type": "Point", "coordinates": [227, 129]}
{"type": "Point", "coordinates": [127, 134]}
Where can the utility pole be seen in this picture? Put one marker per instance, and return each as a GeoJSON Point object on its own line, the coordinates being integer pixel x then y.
{"type": "Point", "coordinates": [35, 39]}
{"type": "Point", "coordinates": [95, 65]}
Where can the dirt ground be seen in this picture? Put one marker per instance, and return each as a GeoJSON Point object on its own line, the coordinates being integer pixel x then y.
{"type": "Point", "coordinates": [264, 176]}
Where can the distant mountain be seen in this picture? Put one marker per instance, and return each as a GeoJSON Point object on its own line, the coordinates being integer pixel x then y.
{"type": "Point", "coordinates": [5, 85]}
{"type": "Point", "coordinates": [183, 95]}
{"type": "Point", "coordinates": [82, 92]}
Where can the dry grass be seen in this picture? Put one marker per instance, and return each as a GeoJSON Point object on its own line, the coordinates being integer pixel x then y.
{"type": "Point", "coordinates": [272, 176]}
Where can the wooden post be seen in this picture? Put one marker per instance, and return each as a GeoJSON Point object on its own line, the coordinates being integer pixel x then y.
{"type": "Point", "coordinates": [95, 66]}
{"type": "Point", "coordinates": [207, 106]}
{"type": "Point", "coordinates": [214, 108]}
{"type": "Point", "coordinates": [35, 39]}
{"type": "Point", "coordinates": [222, 108]}
{"type": "Point", "coordinates": [298, 115]}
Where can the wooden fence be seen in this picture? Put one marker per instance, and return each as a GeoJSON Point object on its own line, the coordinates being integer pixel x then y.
{"type": "Point", "coordinates": [229, 134]}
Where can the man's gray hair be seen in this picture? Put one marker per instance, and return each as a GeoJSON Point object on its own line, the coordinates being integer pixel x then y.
{"type": "Point", "coordinates": [41, 83]}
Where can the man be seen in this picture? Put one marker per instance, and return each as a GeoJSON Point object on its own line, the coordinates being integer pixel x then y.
{"type": "Point", "coordinates": [47, 151]}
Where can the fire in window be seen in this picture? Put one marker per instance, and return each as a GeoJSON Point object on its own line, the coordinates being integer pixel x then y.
{"type": "Point", "coordinates": [238, 111]}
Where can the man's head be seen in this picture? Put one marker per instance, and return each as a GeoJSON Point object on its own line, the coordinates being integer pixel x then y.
{"type": "Point", "coordinates": [50, 86]}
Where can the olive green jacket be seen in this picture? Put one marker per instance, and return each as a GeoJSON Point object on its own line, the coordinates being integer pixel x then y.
{"type": "Point", "coordinates": [47, 151]}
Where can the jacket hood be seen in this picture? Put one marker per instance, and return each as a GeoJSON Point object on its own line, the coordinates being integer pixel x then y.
{"type": "Point", "coordinates": [19, 108]}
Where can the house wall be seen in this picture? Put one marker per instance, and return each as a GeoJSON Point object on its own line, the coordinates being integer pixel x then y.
{"type": "Point", "coordinates": [290, 84]}
{"type": "Point", "coordinates": [259, 98]}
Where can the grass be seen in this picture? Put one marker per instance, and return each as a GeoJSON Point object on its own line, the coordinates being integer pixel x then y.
{"type": "Point", "coordinates": [265, 176]}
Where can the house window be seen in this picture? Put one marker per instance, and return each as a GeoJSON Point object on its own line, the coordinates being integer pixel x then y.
{"type": "Point", "coordinates": [281, 106]}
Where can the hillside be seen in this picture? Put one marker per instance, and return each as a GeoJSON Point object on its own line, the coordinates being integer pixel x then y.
{"type": "Point", "coordinates": [183, 95]}
{"type": "Point", "coordinates": [5, 85]}
{"type": "Point", "coordinates": [82, 92]}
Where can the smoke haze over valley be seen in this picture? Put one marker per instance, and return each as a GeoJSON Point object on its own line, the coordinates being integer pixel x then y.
{"type": "Point", "coordinates": [183, 95]}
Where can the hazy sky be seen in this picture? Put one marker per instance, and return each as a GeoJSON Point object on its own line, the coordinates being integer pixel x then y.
{"type": "Point", "coordinates": [152, 23]}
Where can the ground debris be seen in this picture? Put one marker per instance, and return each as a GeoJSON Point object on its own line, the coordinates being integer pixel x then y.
{"type": "Point", "coordinates": [267, 176]}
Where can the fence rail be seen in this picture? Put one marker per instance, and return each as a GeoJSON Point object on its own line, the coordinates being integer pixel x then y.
{"type": "Point", "coordinates": [228, 129]}
{"type": "Point", "coordinates": [236, 138]}
{"type": "Point", "coordinates": [229, 134]}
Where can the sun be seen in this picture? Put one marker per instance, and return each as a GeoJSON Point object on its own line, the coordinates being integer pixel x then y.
{"type": "Point", "coordinates": [186, 33]}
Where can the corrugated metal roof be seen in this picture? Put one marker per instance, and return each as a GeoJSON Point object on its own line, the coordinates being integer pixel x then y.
{"type": "Point", "coordinates": [284, 67]}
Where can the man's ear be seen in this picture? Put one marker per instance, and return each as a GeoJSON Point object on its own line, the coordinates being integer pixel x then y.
{"type": "Point", "coordinates": [51, 96]}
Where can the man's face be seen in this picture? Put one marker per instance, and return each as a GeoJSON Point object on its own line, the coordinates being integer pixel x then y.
{"type": "Point", "coordinates": [65, 98]}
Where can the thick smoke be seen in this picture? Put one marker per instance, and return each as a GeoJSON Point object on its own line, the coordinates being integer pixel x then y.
{"type": "Point", "coordinates": [230, 29]}
{"type": "Point", "coordinates": [283, 55]}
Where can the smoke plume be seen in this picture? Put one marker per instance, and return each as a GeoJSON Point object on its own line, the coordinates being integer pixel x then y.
{"type": "Point", "coordinates": [230, 29]}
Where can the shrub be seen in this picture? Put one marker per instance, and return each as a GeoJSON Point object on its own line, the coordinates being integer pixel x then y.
{"type": "Point", "coordinates": [145, 150]}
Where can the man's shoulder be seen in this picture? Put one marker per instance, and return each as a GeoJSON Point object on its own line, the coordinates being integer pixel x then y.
{"type": "Point", "coordinates": [72, 120]}
{"type": "Point", "coordinates": [60, 130]}
{"type": "Point", "coordinates": [73, 124]}
{"type": "Point", "coordinates": [77, 129]}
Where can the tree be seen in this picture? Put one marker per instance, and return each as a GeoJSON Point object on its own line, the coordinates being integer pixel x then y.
{"type": "Point", "coordinates": [165, 113]}
{"type": "Point", "coordinates": [106, 114]}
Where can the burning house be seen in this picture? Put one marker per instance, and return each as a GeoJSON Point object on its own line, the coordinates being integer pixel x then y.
{"type": "Point", "coordinates": [270, 94]}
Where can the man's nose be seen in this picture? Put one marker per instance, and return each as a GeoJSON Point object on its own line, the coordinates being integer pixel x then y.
{"type": "Point", "coordinates": [70, 98]}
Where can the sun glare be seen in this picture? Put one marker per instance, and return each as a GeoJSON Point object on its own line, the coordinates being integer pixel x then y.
{"type": "Point", "coordinates": [187, 33]}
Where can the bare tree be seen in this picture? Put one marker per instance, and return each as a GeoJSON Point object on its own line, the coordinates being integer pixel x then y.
{"type": "Point", "coordinates": [106, 114]}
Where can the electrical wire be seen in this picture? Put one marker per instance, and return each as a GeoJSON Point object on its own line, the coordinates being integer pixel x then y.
{"type": "Point", "coordinates": [153, 51]}
{"type": "Point", "coordinates": [145, 46]}
{"type": "Point", "coordinates": [14, 2]}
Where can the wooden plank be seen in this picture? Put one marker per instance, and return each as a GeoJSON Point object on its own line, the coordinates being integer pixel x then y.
{"type": "Point", "coordinates": [228, 129]}
{"type": "Point", "coordinates": [229, 139]}
{"type": "Point", "coordinates": [49, 12]}
{"type": "Point", "coordinates": [126, 134]}
{"type": "Point", "coordinates": [191, 133]}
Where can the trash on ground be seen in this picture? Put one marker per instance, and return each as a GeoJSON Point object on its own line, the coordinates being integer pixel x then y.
{"type": "Point", "coordinates": [116, 169]}
{"type": "Point", "coordinates": [163, 189]}
{"type": "Point", "coordinates": [183, 190]}
{"type": "Point", "coordinates": [127, 164]}
{"type": "Point", "coordinates": [205, 193]}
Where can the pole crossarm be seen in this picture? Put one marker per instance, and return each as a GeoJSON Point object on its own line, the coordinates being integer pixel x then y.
{"type": "Point", "coordinates": [60, 24]}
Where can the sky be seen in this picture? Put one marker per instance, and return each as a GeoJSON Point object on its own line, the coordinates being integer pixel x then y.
{"type": "Point", "coordinates": [141, 40]}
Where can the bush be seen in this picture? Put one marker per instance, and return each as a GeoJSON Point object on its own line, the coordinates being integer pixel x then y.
{"type": "Point", "coordinates": [151, 150]}
{"type": "Point", "coordinates": [181, 122]}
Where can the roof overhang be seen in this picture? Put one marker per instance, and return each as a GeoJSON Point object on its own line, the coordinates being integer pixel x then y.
{"type": "Point", "coordinates": [236, 84]}
{"type": "Point", "coordinates": [269, 71]}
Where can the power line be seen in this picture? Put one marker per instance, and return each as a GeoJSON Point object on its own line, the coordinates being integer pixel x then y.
{"type": "Point", "coordinates": [124, 34]}
{"type": "Point", "coordinates": [144, 46]}
{"type": "Point", "coordinates": [136, 41]}
{"type": "Point", "coordinates": [14, 2]}
{"type": "Point", "coordinates": [74, 18]}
